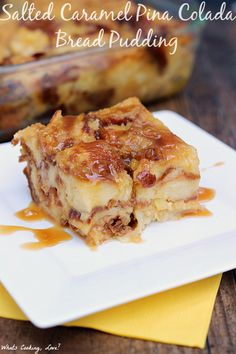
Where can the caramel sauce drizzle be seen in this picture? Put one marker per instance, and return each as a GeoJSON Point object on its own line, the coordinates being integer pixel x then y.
{"type": "Point", "coordinates": [217, 164]}
{"type": "Point", "coordinates": [206, 194]}
{"type": "Point", "coordinates": [31, 213]}
{"type": "Point", "coordinates": [55, 235]}
{"type": "Point", "coordinates": [136, 239]}
{"type": "Point", "coordinates": [45, 237]}
{"type": "Point", "coordinates": [197, 213]}
{"type": "Point", "coordinates": [48, 237]}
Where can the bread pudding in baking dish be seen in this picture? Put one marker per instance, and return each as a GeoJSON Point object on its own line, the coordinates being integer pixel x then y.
{"type": "Point", "coordinates": [107, 174]}
{"type": "Point", "coordinates": [37, 78]}
{"type": "Point", "coordinates": [26, 37]}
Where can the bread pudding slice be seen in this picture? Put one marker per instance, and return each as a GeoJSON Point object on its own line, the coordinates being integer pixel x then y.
{"type": "Point", "coordinates": [107, 174]}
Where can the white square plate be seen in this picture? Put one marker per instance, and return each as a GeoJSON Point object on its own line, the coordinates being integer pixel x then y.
{"type": "Point", "coordinates": [60, 284]}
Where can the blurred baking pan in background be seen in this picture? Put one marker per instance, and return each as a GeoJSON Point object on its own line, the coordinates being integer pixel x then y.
{"type": "Point", "coordinates": [36, 78]}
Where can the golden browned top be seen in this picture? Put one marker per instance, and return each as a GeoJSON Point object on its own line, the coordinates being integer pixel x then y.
{"type": "Point", "coordinates": [141, 140]}
{"type": "Point", "coordinates": [91, 161]}
{"type": "Point", "coordinates": [101, 144]}
{"type": "Point", "coordinates": [63, 132]}
{"type": "Point", "coordinates": [131, 129]}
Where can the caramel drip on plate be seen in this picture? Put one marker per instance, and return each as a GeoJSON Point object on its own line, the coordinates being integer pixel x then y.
{"type": "Point", "coordinates": [45, 237]}
{"type": "Point", "coordinates": [217, 164]}
{"type": "Point", "coordinates": [136, 239]}
{"type": "Point", "coordinates": [197, 213]}
{"type": "Point", "coordinates": [206, 194]}
{"type": "Point", "coordinates": [55, 235]}
{"type": "Point", "coordinates": [31, 213]}
{"type": "Point", "coordinates": [48, 237]}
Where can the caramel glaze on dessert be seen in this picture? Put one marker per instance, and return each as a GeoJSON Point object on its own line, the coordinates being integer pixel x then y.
{"type": "Point", "coordinates": [141, 140]}
{"type": "Point", "coordinates": [104, 162]}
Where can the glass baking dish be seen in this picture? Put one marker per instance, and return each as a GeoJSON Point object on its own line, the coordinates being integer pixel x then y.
{"type": "Point", "coordinates": [90, 79]}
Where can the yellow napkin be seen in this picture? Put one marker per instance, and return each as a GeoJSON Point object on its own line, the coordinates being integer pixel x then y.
{"type": "Point", "coordinates": [179, 316]}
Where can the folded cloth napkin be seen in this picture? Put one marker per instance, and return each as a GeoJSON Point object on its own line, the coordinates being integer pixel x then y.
{"type": "Point", "coordinates": [179, 316]}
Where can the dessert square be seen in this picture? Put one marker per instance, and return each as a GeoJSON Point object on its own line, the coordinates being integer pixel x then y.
{"type": "Point", "coordinates": [107, 174]}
